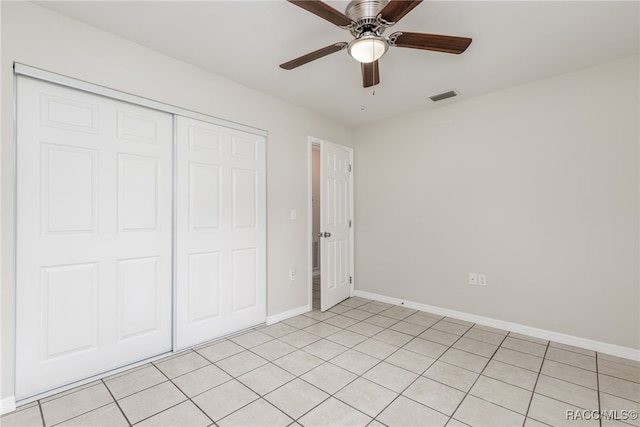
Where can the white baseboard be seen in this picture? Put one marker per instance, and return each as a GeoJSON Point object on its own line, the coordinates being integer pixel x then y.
{"type": "Point", "coordinates": [602, 347]}
{"type": "Point", "coordinates": [287, 314]}
{"type": "Point", "coordinates": [7, 404]}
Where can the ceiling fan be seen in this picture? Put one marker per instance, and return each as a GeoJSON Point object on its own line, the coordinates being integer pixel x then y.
{"type": "Point", "coordinates": [367, 20]}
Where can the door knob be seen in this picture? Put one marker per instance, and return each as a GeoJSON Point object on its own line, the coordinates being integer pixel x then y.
{"type": "Point", "coordinates": [325, 234]}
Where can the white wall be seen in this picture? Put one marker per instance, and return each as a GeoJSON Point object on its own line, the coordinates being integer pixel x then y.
{"type": "Point", "coordinates": [40, 38]}
{"type": "Point", "coordinates": [536, 186]}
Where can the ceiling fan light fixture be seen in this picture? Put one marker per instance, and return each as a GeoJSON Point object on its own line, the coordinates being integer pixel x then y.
{"type": "Point", "coordinates": [368, 48]}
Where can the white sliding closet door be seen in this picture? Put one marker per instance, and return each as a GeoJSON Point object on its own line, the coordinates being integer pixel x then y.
{"type": "Point", "coordinates": [221, 231]}
{"type": "Point", "coordinates": [94, 203]}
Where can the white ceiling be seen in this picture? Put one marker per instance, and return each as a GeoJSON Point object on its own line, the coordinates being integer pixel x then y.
{"type": "Point", "coordinates": [513, 42]}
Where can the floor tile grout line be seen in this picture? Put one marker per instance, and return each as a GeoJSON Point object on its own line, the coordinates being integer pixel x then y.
{"type": "Point", "coordinates": [117, 403]}
{"type": "Point", "coordinates": [522, 352]}
{"type": "Point", "coordinates": [535, 386]}
{"type": "Point", "coordinates": [78, 415]}
{"type": "Point", "coordinates": [505, 382]}
{"type": "Point", "coordinates": [346, 403]}
{"type": "Point", "coordinates": [567, 347]}
{"type": "Point", "coordinates": [170, 380]}
{"type": "Point", "coordinates": [476, 373]}
{"type": "Point", "coordinates": [573, 353]}
{"type": "Point", "coordinates": [598, 392]}
{"type": "Point", "coordinates": [238, 409]}
{"type": "Point", "coordinates": [329, 396]}
{"type": "Point", "coordinates": [138, 391]}
{"type": "Point", "coordinates": [517, 366]}
{"type": "Point", "coordinates": [350, 382]}
{"type": "Point", "coordinates": [637, 383]}
{"type": "Point", "coordinates": [629, 363]}
{"type": "Point", "coordinates": [70, 391]}
{"type": "Point", "coordinates": [155, 363]}
{"type": "Point", "coordinates": [562, 401]}
{"type": "Point", "coordinates": [249, 348]}
{"type": "Point", "coordinates": [450, 364]}
{"type": "Point", "coordinates": [209, 389]}
{"type": "Point", "coordinates": [165, 410]}
{"type": "Point", "coordinates": [570, 364]}
{"type": "Point", "coordinates": [476, 340]}
{"type": "Point", "coordinates": [81, 414]}
{"type": "Point", "coordinates": [469, 327]}
{"type": "Point", "coordinates": [183, 392]}
{"type": "Point", "coordinates": [546, 374]}
{"type": "Point", "coordinates": [502, 406]}
{"type": "Point", "coordinates": [41, 414]}
{"type": "Point", "coordinates": [620, 397]}
{"type": "Point", "coordinates": [474, 383]}
{"type": "Point", "coordinates": [260, 397]}
{"type": "Point", "coordinates": [226, 357]}
{"type": "Point", "coordinates": [254, 391]}
{"type": "Point", "coordinates": [233, 377]}
{"type": "Point", "coordinates": [202, 410]}
{"type": "Point", "coordinates": [209, 363]}
{"type": "Point", "coordinates": [420, 375]}
{"type": "Point", "coordinates": [412, 382]}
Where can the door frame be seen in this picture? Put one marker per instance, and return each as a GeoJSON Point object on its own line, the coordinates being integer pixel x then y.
{"type": "Point", "coordinates": [311, 141]}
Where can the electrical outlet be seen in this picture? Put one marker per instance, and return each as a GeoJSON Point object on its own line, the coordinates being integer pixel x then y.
{"type": "Point", "coordinates": [292, 273]}
{"type": "Point", "coordinates": [482, 279]}
{"type": "Point", "coordinates": [473, 278]}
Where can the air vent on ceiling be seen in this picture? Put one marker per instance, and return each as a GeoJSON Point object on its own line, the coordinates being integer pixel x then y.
{"type": "Point", "coordinates": [444, 95]}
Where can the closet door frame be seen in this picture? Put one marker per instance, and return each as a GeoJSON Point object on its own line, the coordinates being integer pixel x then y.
{"type": "Point", "coordinates": [65, 81]}
{"type": "Point", "coordinates": [48, 76]}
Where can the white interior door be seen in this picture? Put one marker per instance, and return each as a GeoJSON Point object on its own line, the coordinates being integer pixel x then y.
{"type": "Point", "coordinates": [94, 203]}
{"type": "Point", "coordinates": [220, 231]}
{"type": "Point", "coordinates": [335, 220]}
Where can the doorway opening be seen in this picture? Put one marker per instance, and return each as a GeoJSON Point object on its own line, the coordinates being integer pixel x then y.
{"type": "Point", "coordinates": [330, 244]}
{"type": "Point", "coordinates": [315, 228]}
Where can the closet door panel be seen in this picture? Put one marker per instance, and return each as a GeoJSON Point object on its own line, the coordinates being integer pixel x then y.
{"type": "Point", "coordinates": [93, 264]}
{"type": "Point", "coordinates": [220, 231]}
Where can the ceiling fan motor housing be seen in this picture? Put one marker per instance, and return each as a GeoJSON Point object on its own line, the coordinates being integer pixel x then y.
{"type": "Point", "coordinates": [364, 14]}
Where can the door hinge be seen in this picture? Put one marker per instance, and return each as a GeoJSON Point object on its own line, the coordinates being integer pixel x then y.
{"type": "Point", "coordinates": [350, 279]}
{"type": "Point", "coordinates": [349, 223]}
{"type": "Point", "coordinates": [349, 168]}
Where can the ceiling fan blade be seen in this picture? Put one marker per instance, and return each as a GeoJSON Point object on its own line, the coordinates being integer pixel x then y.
{"type": "Point", "coordinates": [395, 10]}
{"type": "Point", "coordinates": [324, 11]}
{"type": "Point", "coordinates": [439, 43]}
{"type": "Point", "coordinates": [370, 74]}
{"type": "Point", "coordinates": [316, 54]}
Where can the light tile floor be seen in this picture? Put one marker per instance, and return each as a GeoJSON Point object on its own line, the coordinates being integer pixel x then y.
{"type": "Point", "coordinates": [361, 363]}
